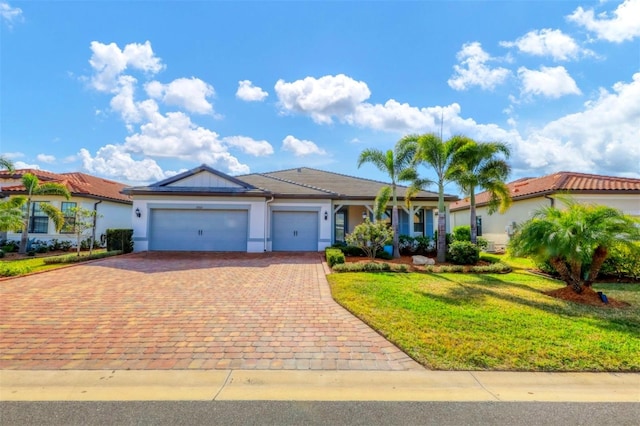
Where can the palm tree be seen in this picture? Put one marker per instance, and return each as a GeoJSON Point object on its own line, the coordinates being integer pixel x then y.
{"type": "Point", "coordinates": [397, 164]}
{"type": "Point", "coordinates": [11, 214]}
{"type": "Point", "coordinates": [33, 187]}
{"type": "Point", "coordinates": [6, 164]}
{"type": "Point", "coordinates": [575, 241]}
{"type": "Point", "coordinates": [481, 165]}
{"type": "Point", "coordinates": [442, 157]}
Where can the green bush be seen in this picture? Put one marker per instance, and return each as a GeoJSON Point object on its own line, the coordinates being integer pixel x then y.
{"type": "Point", "coordinates": [73, 258]}
{"type": "Point", "coordinates": [1, 254]}
{"type": "Point", "coordinates": [622, 263]}
{"type": "Point", "coordinates": [334, 256]}
{"type": "Point", "coordinates": [462, 233]}
{"type": "Point", "coordinates": [10, 247]}
{"type": "Point", "coordinates": [464, 253]}
{"type": "Point", "coordinates": [13, 269]}
{"type": "Point", "coordinates": [120, 239]}
{"type": "Point", "coordinates": [370, 267]}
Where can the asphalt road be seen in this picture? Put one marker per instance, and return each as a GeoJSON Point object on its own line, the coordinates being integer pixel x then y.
{"type": "Point", "coordinates": [318, 413]}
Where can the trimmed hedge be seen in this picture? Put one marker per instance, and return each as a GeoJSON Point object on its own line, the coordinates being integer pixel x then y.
{"type": "Point", "coordinates": [370, 267]}
{"type": "Point", "coordinates": [11, 270]}
{"type": "Point", "coordinates": [120, 239]}
{"type": "Point", "coordinates": [496, 268]}
{"type": "Point", "coordinates": [73, 258]}
{"type": "Point", "coordinates": [464, 253]}
{"type": "Point", "coordinates": [334, 256]}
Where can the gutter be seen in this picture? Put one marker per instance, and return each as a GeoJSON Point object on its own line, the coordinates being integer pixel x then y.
{"type": "Point", "coordinates": [553, 200]}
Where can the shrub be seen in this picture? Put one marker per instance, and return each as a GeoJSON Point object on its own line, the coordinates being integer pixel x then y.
{"type": "Point", "coordinates": [13, 269]}
{"type": "Point", "coordinates": [621, 263]}
{"type": "Point", "coordinates": [462, 233]}
{"type": "Point", "coordinates": [407, 244]}
{"type": "Point", "coordinates": [120, 239]}
{"type": "Point", "coordinates": [370, 267]}
{"type": "Point", "coordinates": [10, 246]}
{"type": "Point", "coordinates": [72, 258]}
{"type": "Point", "coordinates": [425, 245]}
{"type": "Point", "coordinates": [464, 253]}
{"type": "Point", "coordinates": [334, 256]}
{"type": "Point", "coordinates": [1, 254]}
{"type": "Point", "coordinates": [370, 237]}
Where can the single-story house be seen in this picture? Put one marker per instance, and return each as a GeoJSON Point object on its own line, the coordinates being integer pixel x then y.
{"type": "Point", "coordinates": [88, 192]}
{"type": "Point", "coordinates": [300, 209]}
{"type": "Point", "coordinates": [529, 194]}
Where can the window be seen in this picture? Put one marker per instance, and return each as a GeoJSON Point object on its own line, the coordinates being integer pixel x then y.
{"type": "Point", "coordinates": [479, 226]}
{"type": "Point", "coordinates": [418, 222]}
{"type": "Point", "coordinates": [38, 220]}
{"type": "Point", "coordinates": [340, 225]}
{"type": "Point", "coordinates": [69, 217]}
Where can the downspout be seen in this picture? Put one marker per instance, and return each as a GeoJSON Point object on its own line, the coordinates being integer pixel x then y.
{"type": "Point", "coordinates": [553, 200]}
{"type": "Point", "coordinates": [266, 221]}
{"type": "Point", "coordinates": [95, 222]}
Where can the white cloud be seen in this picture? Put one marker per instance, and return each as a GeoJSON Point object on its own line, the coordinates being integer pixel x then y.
{"type": "Point", "coordinates": [249, 145]}
{"type": "Point", "coordinates": [323, 98]}
{"type": "Point", "coordinates": [22, 165]}
{"type": "Point", "coordinates": [44, 158]}
{"type": "Point", "coordinates": [301, 148]}
{"type": "Point", "coordinates": [108, 62]}
{"type": "Point", "coordinates": [622, 25]}
{"type": "Point", "coordinates": [113, 161]}
{"type": "Point", "coordinates": [474, 71]}
{"type": "Point", "coordinates": [402, 118]}
{"type": "Point", "coordinates": [551, 82]}
{"type": "Point", "coordinates": [548, 42]}
{"type": "Point", "coordinates": [10, 14]}
{"type": "Point", "coordinates": [188, 93]}
{"type": "Point", "coordinates": [250, 93]}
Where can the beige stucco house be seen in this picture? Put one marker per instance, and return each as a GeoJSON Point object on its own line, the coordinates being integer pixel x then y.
{"type": "Point", "coordinates": [529, 194]}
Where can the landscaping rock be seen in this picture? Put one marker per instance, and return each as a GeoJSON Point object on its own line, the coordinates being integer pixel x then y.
{"type": "Point", "coordinates": [423, 260]}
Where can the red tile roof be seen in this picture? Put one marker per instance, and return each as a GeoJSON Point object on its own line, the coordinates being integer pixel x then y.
{"type": "Point", "coordinates": [79, 184]}
{"type": "Point", "coordinates": [569, 182]}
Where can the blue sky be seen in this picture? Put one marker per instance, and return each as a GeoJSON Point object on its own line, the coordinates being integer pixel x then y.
{"type": "Point", "coordinates": [138, 91]}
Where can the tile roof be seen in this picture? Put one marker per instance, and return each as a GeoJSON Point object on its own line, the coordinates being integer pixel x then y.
{"type": "Point", "coordinates": [305, 181]}
{"type": "Point", "coordinates": [79, 184]}
{"type": "Point", "coordinates": [570, 182]}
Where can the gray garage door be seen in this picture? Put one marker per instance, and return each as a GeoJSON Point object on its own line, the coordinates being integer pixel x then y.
{"type": "Point", "coordinates": [295, 231]}
{"type": "Point", "coordinates": [198, 230]}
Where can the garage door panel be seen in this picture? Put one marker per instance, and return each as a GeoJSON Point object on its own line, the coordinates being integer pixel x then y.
{"type": "Point", "coordinates": [295, 231]}
{"type": "Point", "coordinates": [198, 230]}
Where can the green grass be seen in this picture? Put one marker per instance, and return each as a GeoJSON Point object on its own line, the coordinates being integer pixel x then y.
{"type": "Point", "coordinates": [9, 268]}
{"type": "Point", "coordinates": [494, 322]}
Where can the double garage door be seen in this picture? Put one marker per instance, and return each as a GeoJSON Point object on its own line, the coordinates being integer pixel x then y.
{"type": "Point", "coordinates": [198, 230]}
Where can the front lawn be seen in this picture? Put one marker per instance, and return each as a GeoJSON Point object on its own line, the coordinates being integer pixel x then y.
{"type": "Point", "coordinates": [25, 265]}
{"type": "Point", "coordinates": [494, 322]}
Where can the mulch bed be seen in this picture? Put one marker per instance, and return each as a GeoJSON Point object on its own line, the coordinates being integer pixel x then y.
{"type": "Point", "coordinates": [587, 297]}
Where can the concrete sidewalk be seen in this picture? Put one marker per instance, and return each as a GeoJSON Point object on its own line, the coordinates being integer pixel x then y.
{"type": "Point", "coordinates": [227, 385]}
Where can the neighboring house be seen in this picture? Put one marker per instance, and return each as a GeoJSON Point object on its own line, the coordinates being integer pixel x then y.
{"type": "Point", "coordinates": [529, 194]}
{"type": "Point", "coordinates": [299, 209]}
{"type": "Point", "coordinates": [88, 192]}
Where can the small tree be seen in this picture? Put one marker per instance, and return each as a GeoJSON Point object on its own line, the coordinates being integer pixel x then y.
{"type": "Point", "coordinates": [85, 220]}
{"type": "Point", "coordinates": [370, 237]}
{"type": "Point", "coordinates": [575, 241]}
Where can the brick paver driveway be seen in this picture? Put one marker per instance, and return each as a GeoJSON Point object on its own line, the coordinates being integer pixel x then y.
{"type": "Point", "coordinates": [186, 311]}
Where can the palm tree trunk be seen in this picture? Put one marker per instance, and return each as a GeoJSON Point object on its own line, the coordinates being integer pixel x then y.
{"type": "Point", "coordinates": [394, 221]}
{"type": "Point", "coordinates": [599, 256]}
{"type": "Point", "coordinates": [442, 226]}
{"type": "Point", "coordinates": [25, 230]}
{"type": "Point", "coordinates": [566, 275]}
{"type": "Point", "coordinates": [472, 218]}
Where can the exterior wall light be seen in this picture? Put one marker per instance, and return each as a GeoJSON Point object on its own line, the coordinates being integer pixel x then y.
{"type": "Point", "coordinates": [138, 212]}
{"type": "Point", "coordinates": [364, 214]}
{"type": "Point", "coordinates": [326, 215]}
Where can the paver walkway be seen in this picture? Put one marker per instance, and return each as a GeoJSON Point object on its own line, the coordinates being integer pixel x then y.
{"type": "Point", "coordinates": [187, 311]}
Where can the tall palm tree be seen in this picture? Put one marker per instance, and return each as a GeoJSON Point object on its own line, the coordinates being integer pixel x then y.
{"type": "Point", "coordinates": [575, 241]}
{"type": "Point", "coordinates": [33, 187]}
{"type": "Point", "coordinates": [483, 165]}
{"type": "Point", "coordinates": [397, 164]}
{"type": "Point", "coordinates": [431, 151]}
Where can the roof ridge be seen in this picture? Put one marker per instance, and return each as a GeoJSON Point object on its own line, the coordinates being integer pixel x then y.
{"type": "Point", "coordinates": [342, 174]}
{"type": "Point", "coordinates": [296, 183]}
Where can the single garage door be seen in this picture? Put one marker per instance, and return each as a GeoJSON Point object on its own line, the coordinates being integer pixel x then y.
{"type": "Point", "coordinates": [198, 230]}
{"type": "Point", "coordinates": [295, 231]}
